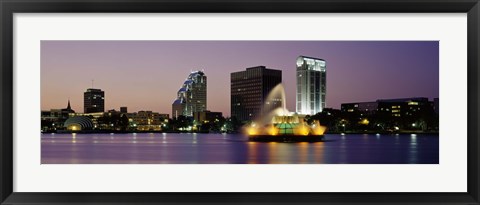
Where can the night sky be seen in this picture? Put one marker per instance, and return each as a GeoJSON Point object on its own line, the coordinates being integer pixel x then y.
{"type": "Point", "coordinates": [146, 75]}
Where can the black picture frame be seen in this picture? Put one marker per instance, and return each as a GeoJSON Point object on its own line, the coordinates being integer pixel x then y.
{"type": "Point", "coordinates": [10, 7]}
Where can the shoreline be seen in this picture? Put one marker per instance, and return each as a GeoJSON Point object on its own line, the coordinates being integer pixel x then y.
{"type": "Point", "coordinates": [129, 132]}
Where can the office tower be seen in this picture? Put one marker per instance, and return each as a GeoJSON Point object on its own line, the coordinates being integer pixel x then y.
{"type": "Point", "coordinates": [93, 100]}
{"type": "Point", "coordinates": [311, 85]}
{"type": "Point", "coordinates": [192, 96]}
{"type": "Point", "coordinates": [249, 90]}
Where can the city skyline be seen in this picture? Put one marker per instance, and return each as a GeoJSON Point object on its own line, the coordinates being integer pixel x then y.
{"type": "Point", "coordinates": [146, 75]}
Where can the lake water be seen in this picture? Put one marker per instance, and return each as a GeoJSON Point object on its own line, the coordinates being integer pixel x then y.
{"type": "Point", "coordinates": [187, 148]}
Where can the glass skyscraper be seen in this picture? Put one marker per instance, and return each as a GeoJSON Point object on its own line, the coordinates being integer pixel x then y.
{"type": "Point", "coordinates": [192, 96]}
{"type": "Point", "coordinates": [311, 85]}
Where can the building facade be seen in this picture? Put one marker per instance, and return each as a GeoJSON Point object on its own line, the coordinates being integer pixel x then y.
{"type": "Point", "coordinates": [405, 107]}
{"type": "Point", "coordinates": [408, 113]}
{"type": "Point", "coordinates": [436, 105]}
{"type": "Point", "coordinates": [365, 107]}
{"type": "Point", "coordinates": [147, 120]}
{"type": "Point", "coordinates": [311, 85]}
{"type": "Point", "coordinates": [192, 96]}
{"type": "Point", "coordinates": [249, 90]}
{"type": "Point", "coordinates": [54, 118]}
{"type": "Point", "coordinates": [206, 116]}
{"type": "Point", "coordinates": [416, 113]}
{"type": "Point", "coordinates": [94, 100]}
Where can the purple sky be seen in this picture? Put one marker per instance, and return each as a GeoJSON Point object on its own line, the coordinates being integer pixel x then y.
{"type": "Point", "coordinates": [146, 75]}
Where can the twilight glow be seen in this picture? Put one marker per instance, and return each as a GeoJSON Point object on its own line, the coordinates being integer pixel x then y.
{"type": "Point", "coordinates": [146, 75]}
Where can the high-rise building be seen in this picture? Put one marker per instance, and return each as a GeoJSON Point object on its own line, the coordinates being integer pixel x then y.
{"type": "Point", "coordinates": [311, 85]}
{"type": "Point", "coordinates": [192, 96]}
{"type": "Point", "coordinates": [93, 100]}
{"type": "Point", "coordinates": [249, 90]}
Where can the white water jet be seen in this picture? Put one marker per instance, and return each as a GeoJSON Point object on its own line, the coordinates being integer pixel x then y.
{"type": "Point", "coordinates": [274, 114]}
{"type": "Point", "coordinates": [270, 108]}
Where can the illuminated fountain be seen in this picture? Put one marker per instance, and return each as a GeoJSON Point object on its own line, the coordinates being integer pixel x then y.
{"type": "Point", "coordinates": [280, 125]}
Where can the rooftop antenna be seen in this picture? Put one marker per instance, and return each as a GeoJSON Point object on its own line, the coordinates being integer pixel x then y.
{"type": "Point", "coordinates": [92, 83]}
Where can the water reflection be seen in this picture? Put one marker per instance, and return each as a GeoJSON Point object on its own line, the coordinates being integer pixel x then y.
{"type": "Point", "coordinates": [303, 156]}
{"type": "Point", "coordinates": [413, 154]}
{"type": "Point", "coordinates": [168, 148]}
{"type": "Point", "coordinates": [252, 152]}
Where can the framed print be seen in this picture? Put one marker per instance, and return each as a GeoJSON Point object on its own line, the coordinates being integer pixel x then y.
{"type": "Point", "coordinates": [239, 102]}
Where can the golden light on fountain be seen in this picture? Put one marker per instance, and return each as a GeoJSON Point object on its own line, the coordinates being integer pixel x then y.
{"type": "Point", "coordinates": [280, 122]}
{"type": "Point", "coordinates": [301, 129]}
{"type": "Point", "coordinates": [318, 129]}
{"type": "Point", "coordinates": [272, 130]}
{"type": "Point", "coordinates": [252, 129]}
